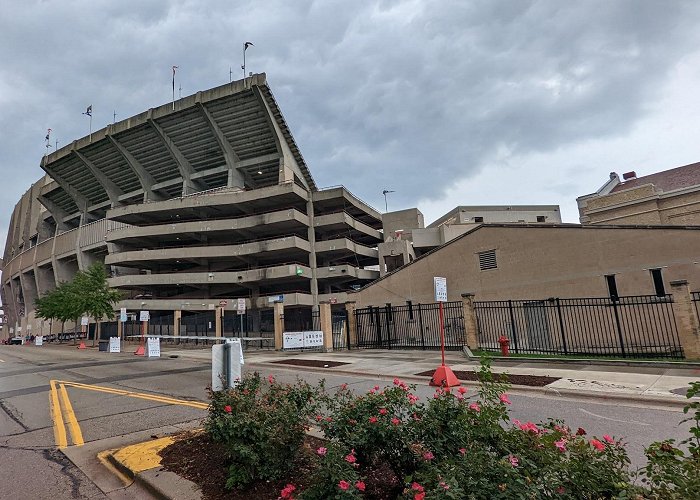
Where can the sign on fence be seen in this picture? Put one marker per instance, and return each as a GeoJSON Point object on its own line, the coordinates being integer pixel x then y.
{"type": "Point", "coordinates": [302, 340]}
{"type": "Point", "coordinates": [114, 344]}
{"type": "Point", "coordinates": [440, 289]}
{"type": "Point", "coordinates": [153, 345]}
{"type": "Point", "coordinates": [144, 316]}
{"type": "Point", "coordinates": [122, 314]}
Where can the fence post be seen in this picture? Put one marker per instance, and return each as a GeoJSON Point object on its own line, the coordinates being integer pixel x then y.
{"type": "Point", "coordinates": [351, 323]}
{"type": "Point", "coordinates": [470, 325]}
{"type": "Point", "coordinates": [686, 319]}
{"type": "Point", "coordinates": [278, 318]}
{"type": "Point", "coordinates": [177, 316]}
{"type": "Point", "coordinates": [420, 325]}
{"type": "Point", "coordinates": [618, 326]}
{"type": "Point", "coordinates": [326, 323]}
{"type": "Point", "coordinates": [513, 330]}
{"type": "Point", "coordinates": [561, 326]}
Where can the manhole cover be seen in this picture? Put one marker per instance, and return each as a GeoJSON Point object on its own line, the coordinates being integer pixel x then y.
{"type": "Point", "coordinates": [683, 391]}
{"type": "Point", "coordinates": [528, 380]}
{"type": "Point", "coordinates": [315, 363]}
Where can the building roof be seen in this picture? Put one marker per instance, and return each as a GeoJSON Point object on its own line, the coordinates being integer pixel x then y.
{"type": "Point", "coordinates": [195, 137]}
{"type": "Point", "coordinates": [668, 180]}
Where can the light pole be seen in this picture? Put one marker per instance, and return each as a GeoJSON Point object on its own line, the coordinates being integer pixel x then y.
{"type": "Point", "coordinates": [245, 47]}
{"type": "Point", "coordinates": [386, 192]}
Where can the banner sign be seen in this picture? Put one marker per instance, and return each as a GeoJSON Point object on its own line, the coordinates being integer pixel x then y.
{"type": "Point", "coordinates": [153, 347]}
{"type": "Point", "coordinates": [114, 344]}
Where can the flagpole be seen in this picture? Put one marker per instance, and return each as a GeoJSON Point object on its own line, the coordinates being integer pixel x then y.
{"type": "Point", "coordinates": [90, 127]}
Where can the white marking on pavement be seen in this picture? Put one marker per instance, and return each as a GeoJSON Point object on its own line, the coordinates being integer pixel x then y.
{"type": "Point", "coordinates": [613, 419]}
{"type": "Point", "coordinates": [2, 360]}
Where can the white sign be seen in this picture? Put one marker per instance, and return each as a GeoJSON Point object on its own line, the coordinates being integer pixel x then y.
{"type": "Point", "coordinates": [114, 344]}
{"type": "Point", "coordinates": [122, 314]}
{"type": "Point", "coordinates": [292, 340]}
{"type": "Point", "coordinates": [302, 340]}
{"type": "Point", "coordinates": [12, 330]}
{"type": "Point", "coordinates": [144, 316]}
{"type": "Point", "coordinates": [84, 321]}
{"type": "Point", "coordinates": [39, 340]}
{"type": "Point", "coordinates": [440, 289]}
{"type": "Point", "coordinates": [19, 329]}
{"type": "Point", "coordinates": [29, 328]}
{"type": "Point", "coordinates": [275, 298]}
{"type": "Point", "coordinates": [153, 347]}
{"type": "Point", "coordinates": [313, 339]}
{"type": "Point", "coordinates": [237, 341]}
{"type": "Point", "coordinates": [240, 305]}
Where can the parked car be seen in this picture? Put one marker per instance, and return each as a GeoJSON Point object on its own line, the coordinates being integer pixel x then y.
{"type": "Point", "coordinates": [16, 341]}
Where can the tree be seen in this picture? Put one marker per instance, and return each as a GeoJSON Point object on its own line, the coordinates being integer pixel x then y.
{"type": "Point", "coordinates": [87, 294]}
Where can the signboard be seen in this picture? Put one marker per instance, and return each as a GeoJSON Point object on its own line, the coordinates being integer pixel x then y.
{"type": "Point", "coordinates": [12, 330]}
{"type": "Point", "coordinates": [292, 340]}
{"type": "Point", "coordinates": [144, 316]}
{"type": "Point", "coordinates": [333, 300]}
{"type": "Point", "coordinates": [313, 339]}
{"type": "Point", "coordinates": [223, 303]}
{"type": "Point", "coordinates": [84, 321]}
{"type": "Point", "coordinates": [237, 341]}
{"type": "Point", "coordinates": [114, 344]}
{"type": "Point", "coordinates": [153, 347]}
{"type": "Point", "coordinates": [39, 340]}
{"type": "Point", "coordinates": [302, 340]}
{"type": "Point", "coordinates": [440, 289]}
{"type": "Point", "coordinates": [275, 298]}
{"type": "Point", "coordinates": [240, 307]}
{"type": "Point", "coordinates": [122, 314]}
{"type": "Point", "coordinates": [300, 271]}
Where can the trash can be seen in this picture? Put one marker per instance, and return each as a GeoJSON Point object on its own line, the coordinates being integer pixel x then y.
{"type": "Point", "coordinates": [104, 345]}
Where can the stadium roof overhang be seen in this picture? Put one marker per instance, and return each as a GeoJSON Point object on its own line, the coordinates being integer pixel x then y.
{"type": "Point", "coordinates": [233, 135]}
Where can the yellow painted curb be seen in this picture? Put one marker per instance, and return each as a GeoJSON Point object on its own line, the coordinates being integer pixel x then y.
{"type": "Point", "coordinates": [142, 456]}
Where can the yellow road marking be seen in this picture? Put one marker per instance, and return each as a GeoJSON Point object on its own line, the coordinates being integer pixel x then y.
{"type": "Point", "coordinates": [139, 395]}
{"type": "Point", "coordinates": [59, 430]}
{"type": "Point", "coordinates": [142, 456]}
{"type": "Point", "coordinates": [102, 457]}
{"type": "Point", "coordinates": [75, 432]}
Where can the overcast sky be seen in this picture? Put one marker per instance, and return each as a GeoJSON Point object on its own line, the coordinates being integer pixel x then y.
{"type": "Point", "coordinates": [444, 102]}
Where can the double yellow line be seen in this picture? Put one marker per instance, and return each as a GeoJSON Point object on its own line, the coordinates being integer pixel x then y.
{"type": "Point", "coordinates": [62, 410]}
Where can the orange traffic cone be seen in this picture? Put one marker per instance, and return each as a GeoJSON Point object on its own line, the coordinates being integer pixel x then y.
{"type": "Point", "coordinates": [140, 351]}
{"type": "Point", "coordinates": [82, 345]}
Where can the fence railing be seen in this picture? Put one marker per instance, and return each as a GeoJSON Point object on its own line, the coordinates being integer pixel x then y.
{"type": "Point", "coordinates": [410, 326]}
{"type": "Point", "coordinates": [629, 327]}
{"type": "Point", "coordinates": [695, 297]}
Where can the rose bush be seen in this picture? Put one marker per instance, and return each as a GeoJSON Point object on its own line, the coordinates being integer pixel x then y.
{"type": "Point", "coordinates": [457, 443]}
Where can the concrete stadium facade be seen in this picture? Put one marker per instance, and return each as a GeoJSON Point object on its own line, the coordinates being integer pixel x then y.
{"type": "Point", "coordinates": [189, 205]}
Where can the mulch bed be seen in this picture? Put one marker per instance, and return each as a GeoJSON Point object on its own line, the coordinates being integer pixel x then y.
{"type": "Point", "coordinates": [527, 380]}
{"type": "Point", "coordinates": [195, 457]}
{"type": "Point", "coordinates": [314, 363]}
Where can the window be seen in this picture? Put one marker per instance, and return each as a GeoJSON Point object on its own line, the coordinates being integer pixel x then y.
{"type": "Point", "coordinates": [487, 260]}
{"type": "Point", "coordinates": [478, 219]}
{"type": "Point", "coordinates": [658, 282]}
{"type": "Point", "coordinates": [541, 218]}
{"type": "Point", "coordinates": [612, 286]}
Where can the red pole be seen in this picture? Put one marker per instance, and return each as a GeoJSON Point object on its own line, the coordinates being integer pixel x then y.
{"type": "Point", "coordinates": [442, 335]}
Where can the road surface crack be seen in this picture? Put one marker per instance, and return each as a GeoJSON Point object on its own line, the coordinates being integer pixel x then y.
{"type": "Point", "coordinates": [67, 469]}
{"type": "Point", "coordinates": [12, 415]}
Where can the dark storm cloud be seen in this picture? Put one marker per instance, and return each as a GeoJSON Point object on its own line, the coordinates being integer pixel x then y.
{"type": "Point", "coordinates": [409, 95]}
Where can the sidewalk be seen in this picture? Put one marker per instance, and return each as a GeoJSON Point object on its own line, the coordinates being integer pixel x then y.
{"type": "Point", "coordinates": [645, 382]}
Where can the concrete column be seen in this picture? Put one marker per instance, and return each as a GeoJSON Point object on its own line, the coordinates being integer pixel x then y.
{"type": "Point", "coordinates": [278, 318]}
{"type": "Point", "coordinates": [218, 321]}
{"type": "Point", "coordinates": [352, 323]}
{"type": "Point", "coordinates": [177, 316]}
{"type": "Point", "coordinates": [120, 329]}
{"type": "Point", "coordinates": [471, 340]}
{"type": "Point", "coordinates": [324, 309]}
{"type": "Point", "coordinates": [312, 256]}
{"type": "Point", "coordinates": [686, 319]}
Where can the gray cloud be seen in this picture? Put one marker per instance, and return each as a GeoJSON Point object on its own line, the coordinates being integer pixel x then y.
{"type": "Point", "coordinates": [409, 95]}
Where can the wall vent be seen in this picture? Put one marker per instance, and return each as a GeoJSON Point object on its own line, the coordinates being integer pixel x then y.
{"type": "Point", "coordinates": [487, 260]}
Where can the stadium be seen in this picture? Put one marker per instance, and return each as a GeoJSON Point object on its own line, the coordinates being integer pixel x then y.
{"type": "Point", "coordinates": [191, 205]}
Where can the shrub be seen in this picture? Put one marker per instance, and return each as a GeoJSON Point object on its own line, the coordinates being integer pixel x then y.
{"type": "Point", "coordinates": [672, 472]}
{"type": "Point", "coordinates": [261, 425]}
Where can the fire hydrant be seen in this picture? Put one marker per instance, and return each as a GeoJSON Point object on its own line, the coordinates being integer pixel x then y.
{"type": "Point", "coordinates": [505, 343]}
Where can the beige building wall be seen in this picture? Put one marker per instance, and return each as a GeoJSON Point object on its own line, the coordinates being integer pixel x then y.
{"type": "Point", "coordinates": [541, 262]}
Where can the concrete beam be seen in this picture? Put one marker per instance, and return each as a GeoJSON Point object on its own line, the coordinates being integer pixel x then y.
{"type": "Point", "coordinates": [145, 179]}
{"type": "Point", "coordinates": [183, 165]}
{"type": "Point", "coordinates": [236, 177]}
{"type": "Point", "coordinates": [80, 201]}
{"type": "Point", "coordinates": [113, 191]}
{"type": "Point", "coordinates": [58, 213]}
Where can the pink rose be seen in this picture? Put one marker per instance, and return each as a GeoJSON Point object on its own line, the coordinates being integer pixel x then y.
{"type": "Point", "coordinates": [382, 411]}
{"type": "Point", "coordinates": [350, 458]}
{"type": "Point", "coordinates": [608, 439]}
{"type": "Point", "coordinates": [462, 390]}
{"type": "Point", "coordinates": [475, 407]}
{"type": "Point", "coordinates": [322, 451]}
{"type": "Point", "coordinates": [395, 421]}
{"type": "Point", "coordinates": [416, 487]}
{"type": "Point", "coordinates": [343, 485]}
{"type": "Point", "coordinates": [428, 455]}
{"type": "Point", "coordinates": [597, 445]}
{"type": "Point", "coordinates": [561, 445]}
{"type": "Point", "coordinates": [504, 398]}
{"type": "Point", "coordinates": [513, 460]}
{"type": "Point", "coordinates": [360, 485]}
{"type": "Point", "coordinates": [228, 409]}
{"type": "Point", "coordinates": [372, 420]}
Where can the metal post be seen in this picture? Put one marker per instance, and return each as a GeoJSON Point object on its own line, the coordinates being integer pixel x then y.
{"type": "Point", "coordinates": [561, 326]}
{"type": "Point", "coordinates": [513, 330]}
{"type": "Point", "coordinates": [420, 325]}
{"type": "Point", "coordinates": [619, 328]}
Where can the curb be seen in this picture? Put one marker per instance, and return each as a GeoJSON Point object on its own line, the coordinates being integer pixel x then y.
{"type": "Point", "coordinates": [520, 389]}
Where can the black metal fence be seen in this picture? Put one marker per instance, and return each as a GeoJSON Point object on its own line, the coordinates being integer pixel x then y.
{"type": "Point", "coordinates": [413, 326]}
{"type": "Point", "coordinates": [695, 297]}
{"type": "Point", "coordinates": [629, 327]}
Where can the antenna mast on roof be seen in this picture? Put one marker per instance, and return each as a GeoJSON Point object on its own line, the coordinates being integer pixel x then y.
{"type": "Point", "coordinates": [386, 192]}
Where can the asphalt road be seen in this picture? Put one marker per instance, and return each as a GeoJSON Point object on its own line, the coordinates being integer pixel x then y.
{"type": "Point", "coordinates": [99, 401]}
